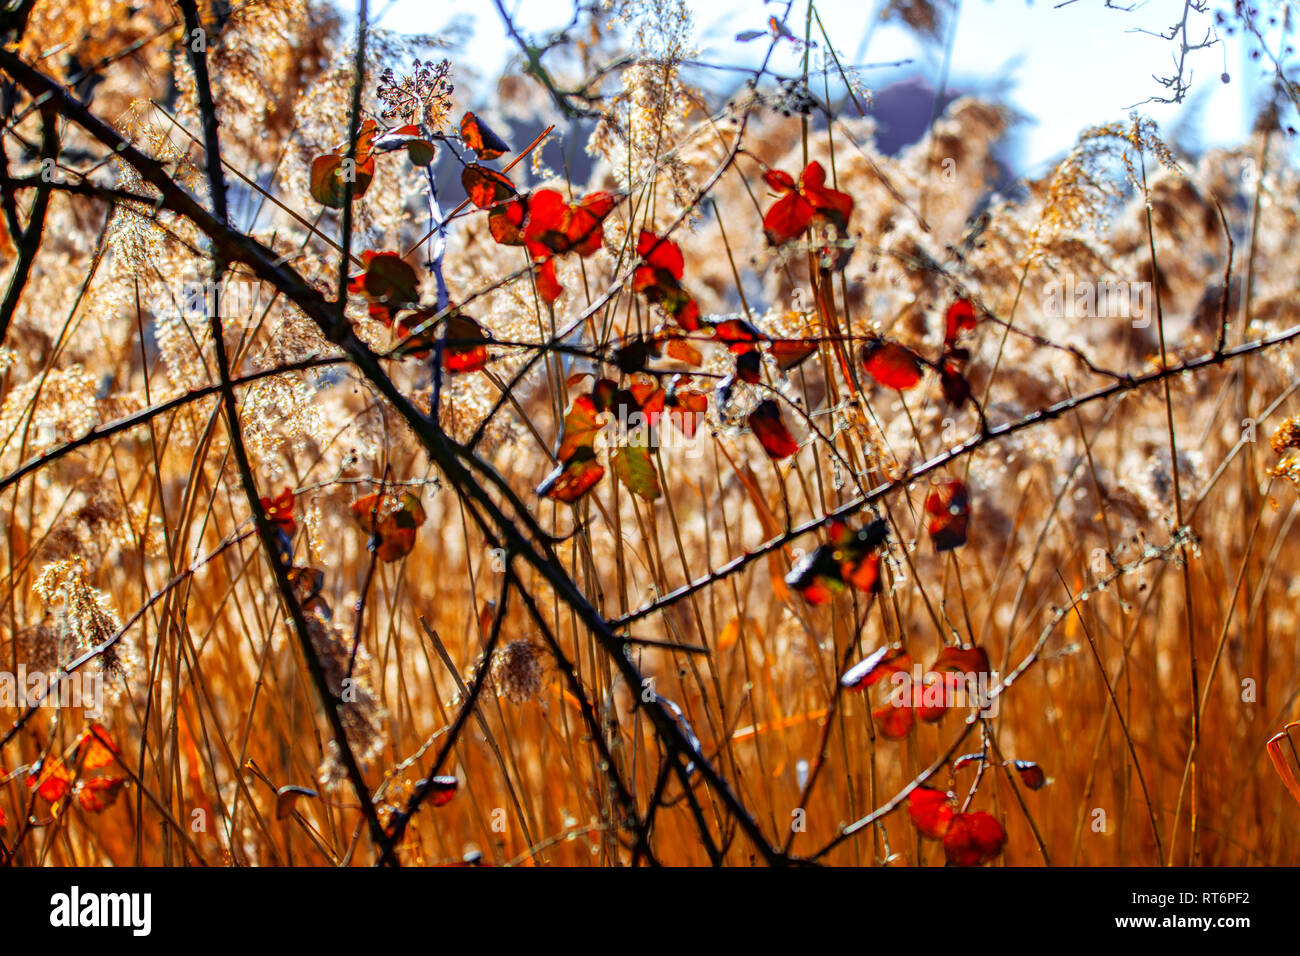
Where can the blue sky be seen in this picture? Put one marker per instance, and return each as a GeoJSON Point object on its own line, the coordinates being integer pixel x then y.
{"type": "Point", "coordinates": [1063, 66]}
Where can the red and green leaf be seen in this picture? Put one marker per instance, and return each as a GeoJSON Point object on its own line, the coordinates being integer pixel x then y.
{"type": "Point", "coordinates": [634, 467]}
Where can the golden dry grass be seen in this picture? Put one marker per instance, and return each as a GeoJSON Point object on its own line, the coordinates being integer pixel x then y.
{"type": "Point", "coordinates": [1074, 558]}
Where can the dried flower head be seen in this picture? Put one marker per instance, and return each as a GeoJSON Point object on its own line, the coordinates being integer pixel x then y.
{"type": "Point", "coordinates": [1286, 444]}
{"type": "Point", "coordinates": [422, 96]}
{"type": "Point", "coordinates": [517, 671]}
{"type": "Point", "coordinates": [85, 619]}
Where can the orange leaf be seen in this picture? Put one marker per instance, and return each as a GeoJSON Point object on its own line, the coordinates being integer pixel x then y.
{"type": "Point", "coordinates": [571, 480]}
{"type": "Point", "coordinates": [99, 793]}
{"type": "Point", "coordinates": [478, 137]}
{"type": "Point", "coordinates": [330, 173]}
{"type": "Point", "coordinates": [486, 187]}
{"type": "Point", "coordinates": [53, 780]}
{"type": "Point", "coordinates": [581, 425]}
{"type": "Point", "coordinates": [97, 748]}
{"type": "Point", "coordinates": [286, 798]}
{"type": "Point", "coordinates": [687, 407]}
{"type": "Point", "coordinates": [790, 352]}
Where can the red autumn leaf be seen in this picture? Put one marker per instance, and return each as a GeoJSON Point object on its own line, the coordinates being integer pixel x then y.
{"type": "Point", "coordinates": [548, 284]}
{"type": "Point", "coordinates": [442, 790]}
{"type": "Point", "coordinates": [882, 662]}
{"type": "Point", "coordinates": [892, 365]}
{"type": "Point", "coordinates": [973, 839]}
{"type": "Point", "coordinates": [831, 203]}
{"type": "Point", "coordinates": [506, 221]}
{"type": "Point", "coordinates": [466, 349]}
{"type": "Point", "coordinates": [787, 219]}
{"type": "Point", "coordinates": [749, 367]}
{"type": "Point", "coordinates": [53, 781]}
{"type": "Point", "coordinates": [1031, 775]}
{"type": "Point", "coordinates": [687, 313]}
{"type": "Point", "coordinates": [892, 721]}
{"type": "Point", "coordinates": [779, 180]}
{"type": "Point", "coordinates": [850, 558]}
{"type": "Point", "coordinates": [931, 811]}
{"type": "Point", "coordinates": [477, 136]}
{"type": "Point", "coordinates": [765, 421]}
{"type": "Point", "coordinates": [279, 511]}
{"type": "Point", "coordinates": [817, 576]}
{"type": "Point", "coordinates": [959, 318]}
{"type": "Point", "coordinates": [558, 226]}
{"type": "Point", "coordinates": [391, 520]}
{"type": "Point", "coordinates": [99, 793]}
{"type": "Point", "coordinates": [574, 478]}
{"type": "Point", "coordinates": [7, 251]}
{"type": "Point", "coordinates": [739, 335]}
{"type": "Point", "coordinates": [933, 703]}
{"type": "Point", "coordinates": [802, 203]}
{"type": "Point", "coordinates": [660, 255]}
{"type": "Point", "coordinates": [2, 809]}
{"type": "Point", "coordinates": [97, 748]}
{"type": "Point", "coordinates": [948, 505]}
{"type": "Point", "coordinates": [956, 388]}
{"type": "Point", "coordinates": [486, 187]}
{"type": "Point", "coordinates": [961, 660]}
{"type": "Point", "coordinates": [658, 278]}
{"type": "Point", "coordinates": [415, 334]}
